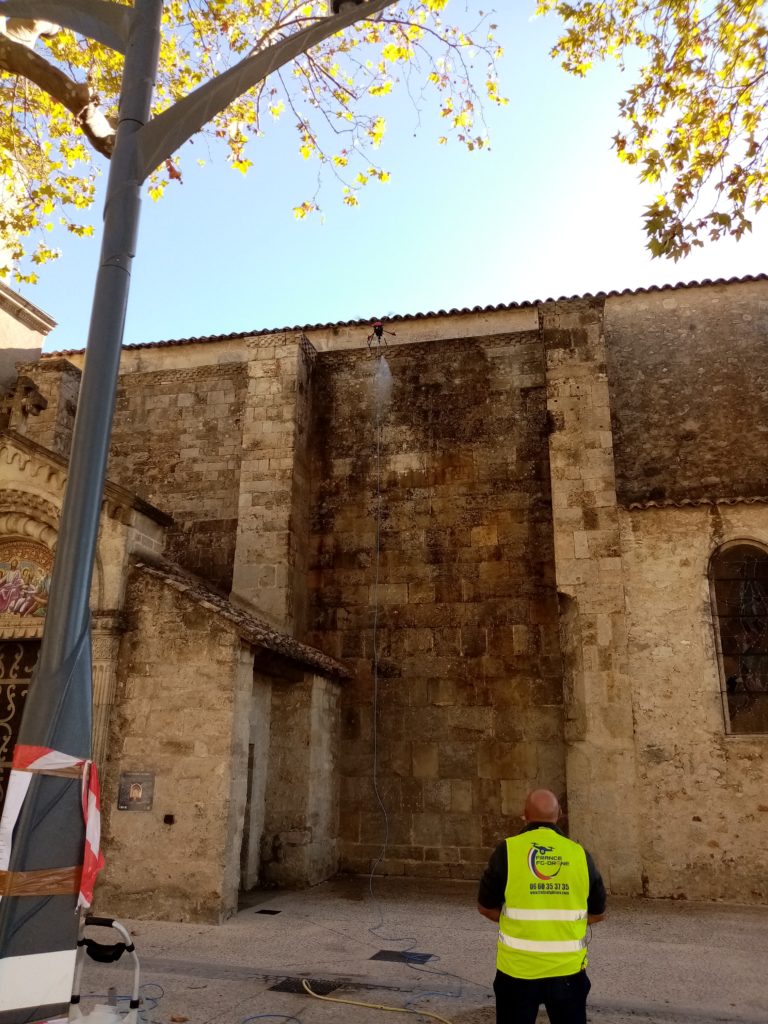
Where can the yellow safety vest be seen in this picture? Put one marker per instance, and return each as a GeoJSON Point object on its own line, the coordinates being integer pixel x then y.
{"type": "Point", "coordinates": [543, 923]}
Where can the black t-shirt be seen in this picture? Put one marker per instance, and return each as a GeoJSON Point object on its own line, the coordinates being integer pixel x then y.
{"type": "Point", "coordinates": [493, 884]}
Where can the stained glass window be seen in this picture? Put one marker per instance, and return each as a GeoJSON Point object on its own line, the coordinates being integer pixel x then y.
{"type": "Point", "coordinates": [739, 575]}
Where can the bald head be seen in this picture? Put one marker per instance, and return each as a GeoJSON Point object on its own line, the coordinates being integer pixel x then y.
{"type": "Point", "coordinates": [542, 805]}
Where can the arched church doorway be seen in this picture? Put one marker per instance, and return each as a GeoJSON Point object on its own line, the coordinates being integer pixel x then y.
{"type": "Point", "coordinates": [17, 661]}
{"type": "Point", "coordinates": [25, 573]}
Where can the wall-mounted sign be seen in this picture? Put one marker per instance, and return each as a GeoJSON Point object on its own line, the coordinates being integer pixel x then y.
{"type": "Point", "coordinates": [136, 791]}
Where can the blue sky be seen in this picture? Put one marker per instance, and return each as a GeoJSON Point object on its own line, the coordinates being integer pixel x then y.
{"type": "Point", "coordinates": [548, 211]}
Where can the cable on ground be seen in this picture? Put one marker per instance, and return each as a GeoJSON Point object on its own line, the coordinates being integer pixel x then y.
{"type": "Point", "coordinates": [272, 1016]}
{"type": "Point", "coordinates": [373, 1006]}
{"type": "Point", "coordinates": [148, 1002]}
{"type": "Point", "coordinates": [421, 969]}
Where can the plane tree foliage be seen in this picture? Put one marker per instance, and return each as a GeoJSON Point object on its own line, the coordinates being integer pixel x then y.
{"type": "Point", "coordinates": [59, 92]}
{"type": "Point", "coordinates": [694, 122]}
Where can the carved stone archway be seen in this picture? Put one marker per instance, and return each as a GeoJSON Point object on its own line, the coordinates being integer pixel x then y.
{"type": "Point", "coordinates": [27, 542]}
{"type": "Point", "coordinates": [28, 517]}
{"type": "Point", "coordinates": [29, 528]}
{"type": "Point", "coordinates": [17, 662]}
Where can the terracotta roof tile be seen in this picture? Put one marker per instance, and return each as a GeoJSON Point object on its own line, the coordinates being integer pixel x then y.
{"type": "Point", "coordinates": [250, 628]}
{"type": "Point", "coordinates": [404, 317]}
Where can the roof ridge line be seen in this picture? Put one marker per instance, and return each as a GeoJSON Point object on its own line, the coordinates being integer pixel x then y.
{"type": "Point", "coordinates": [432, 315]}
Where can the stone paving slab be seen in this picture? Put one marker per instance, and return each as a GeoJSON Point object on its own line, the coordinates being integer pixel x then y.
{"type": "Point", "coordinates": [651, 962]}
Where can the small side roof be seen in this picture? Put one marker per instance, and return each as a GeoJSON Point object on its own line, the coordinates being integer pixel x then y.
{"type": "Point", "coordinates": [256, 631]}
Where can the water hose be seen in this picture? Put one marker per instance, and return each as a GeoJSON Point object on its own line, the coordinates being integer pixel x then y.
{"type": "Point", "coordinates": [371, 1006]}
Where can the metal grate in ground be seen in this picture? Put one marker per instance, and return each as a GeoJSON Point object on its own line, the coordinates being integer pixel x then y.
{"type": "Point", "coordinates": [322, 986]}
{"type": "Point", "coordinates": [402, 956]}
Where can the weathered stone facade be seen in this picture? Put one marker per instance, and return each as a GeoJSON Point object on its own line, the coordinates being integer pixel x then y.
{"type": "Point", "coordinates": [689, 392]}
{"type": "Point", "coordinates": [178, 441]}
{"type": "Point", "coordinates": [702, 793]}
{"type": "Point", "coordinates": [469, 701]}
{"type": "Point", "coordinates": [316, 602]}
{"type": "Point", "coordinates": [601, 773]}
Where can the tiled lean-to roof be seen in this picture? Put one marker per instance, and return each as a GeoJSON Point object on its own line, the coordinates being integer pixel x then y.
{"type": "Point", "coordinates": [249, 627]}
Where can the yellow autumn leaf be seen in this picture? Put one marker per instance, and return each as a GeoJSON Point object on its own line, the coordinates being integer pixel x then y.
{"type": "Point", "coordinates": [695, 112]}
{"type": "Point", "coordinates": [51, 158]}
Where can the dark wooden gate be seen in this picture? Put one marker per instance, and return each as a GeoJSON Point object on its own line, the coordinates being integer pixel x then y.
{"type": "Point", "coordinates": [17, 660]}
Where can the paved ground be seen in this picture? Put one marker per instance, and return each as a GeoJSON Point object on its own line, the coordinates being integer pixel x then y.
{"type": "Point", "coordinates": [651, 962]}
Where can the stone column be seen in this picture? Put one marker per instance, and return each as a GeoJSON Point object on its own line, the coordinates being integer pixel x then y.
{"type": "Point", "coordinates": [105, 639]}
{"type": "Point", "coordinates": [271, 554]}
{"type": "Point", "coordinates": [601, 770]}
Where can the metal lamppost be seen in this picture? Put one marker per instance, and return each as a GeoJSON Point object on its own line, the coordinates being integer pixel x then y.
{"type": "Point", "coordinates": [38, 930]}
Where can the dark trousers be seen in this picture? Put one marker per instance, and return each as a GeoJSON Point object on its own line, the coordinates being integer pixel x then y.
{"type": "Point", "coordinates": [518, 999]}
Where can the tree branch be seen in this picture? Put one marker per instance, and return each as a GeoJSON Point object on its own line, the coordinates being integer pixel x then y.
{"type": "Point", "coordinates": [79, 99]}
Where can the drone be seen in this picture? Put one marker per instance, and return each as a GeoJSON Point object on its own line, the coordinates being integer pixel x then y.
{"type": "Point", "coordinates": [377, 335]}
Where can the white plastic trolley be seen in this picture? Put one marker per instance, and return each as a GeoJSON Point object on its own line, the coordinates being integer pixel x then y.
{"type": "Point", "coordinates": [104, 954]}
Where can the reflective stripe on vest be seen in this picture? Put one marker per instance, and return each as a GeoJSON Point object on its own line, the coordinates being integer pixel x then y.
{"type": "Point", "coordinates": [530, 946]}
{"type": "Point", "coordinates": [519, 914]}
{"type": "Point", "coordinates": [543, 923]}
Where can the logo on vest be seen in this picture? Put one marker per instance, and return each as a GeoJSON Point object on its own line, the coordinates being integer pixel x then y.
{"type": "Point", "coordinates": [544, 863]}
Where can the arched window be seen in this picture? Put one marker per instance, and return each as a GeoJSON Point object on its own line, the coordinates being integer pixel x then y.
{"type": "Point", "coordinates": [739, 578]}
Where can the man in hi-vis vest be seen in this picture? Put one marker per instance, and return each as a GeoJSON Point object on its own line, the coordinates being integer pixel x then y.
{"type": "Point", "coordinates": [543, 890]}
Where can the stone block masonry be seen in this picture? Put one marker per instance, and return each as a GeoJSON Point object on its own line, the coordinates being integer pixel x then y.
{"type": "Point", "coordinates": [600, 763]}
{"type": "Point", "coordinates": [177, 442]}
{"type": "Point", "coordinates": [299, 840]}
{"type": "Point", "coordinates": [182, 709]}
{"type": "Point", "coordinates": [531, 540]}
{"type": "Point", "coordinates": [689, 392]}
{"type": "Point", "coordinates": [469, 692]}
{"type": "Point", "coordinates": [273, 527]}
{"type": "Point", "coordinates": [58, 381]}
{"type": "Point", "coordinates": [691, 772]}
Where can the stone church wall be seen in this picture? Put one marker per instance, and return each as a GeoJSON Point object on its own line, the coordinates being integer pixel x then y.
{"type": "Point", "coordinates": [271, 555]}
{"type": "Point", "coordinates": [469, 680]}
{"type": "Point", "coordinates": [601, 768]}
{"type": "Point", "coordinates": [58, 381]}
{"type": "Point", "coordinates": [182, 709]}
{"type": "Point", "coordinates": [177, 443]}
{"type": "Point", "coordinates": [299, 843]}
{"type": "Point", "coordinates": [688, 376]}
{"type": "Point", "coordinates": [703, 795]}
{"type": "Point", "coordinates": [507, 470]}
